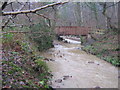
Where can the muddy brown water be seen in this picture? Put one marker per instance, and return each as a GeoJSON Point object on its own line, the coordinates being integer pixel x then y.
{"type": "Point", "coordinates": [83, 70]}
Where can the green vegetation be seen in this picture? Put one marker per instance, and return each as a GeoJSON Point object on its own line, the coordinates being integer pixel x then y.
{"type": "Point", "coordinates": [83, 39]}
{"type": "Point", "coordinates": [106, 47]}
{"type": "Point", "coordinates": [42, 36]}
{"type": "Point", "coordinates": [22, 66]}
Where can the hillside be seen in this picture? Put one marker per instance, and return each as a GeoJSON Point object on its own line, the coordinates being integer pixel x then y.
{"type": "Point", "coordinates": [105, 47]}
{"type": "Point", "coordinates": [22, 66]}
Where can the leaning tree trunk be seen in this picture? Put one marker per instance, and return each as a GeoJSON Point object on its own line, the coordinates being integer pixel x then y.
{"type": "Point", "coordinates": [78, 13]}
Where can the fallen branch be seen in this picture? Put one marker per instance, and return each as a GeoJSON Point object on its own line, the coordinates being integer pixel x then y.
{"type": "Point", "coordinates": [31, 11]}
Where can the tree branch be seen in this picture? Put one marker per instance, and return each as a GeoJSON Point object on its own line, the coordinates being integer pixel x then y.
{"type": "Point", "coordinates": [8, 21]}
{"type": "Point", "coordinates": [4, 5]}
{"type": "Point", "coordinates": [28, 18]}
{"type": "Point", "coordinates": [31, 11]}
{"type": "Point", "coordinates": [41, 15]}
{"type": "Point", "coordinates": [22, 6]}
{"type": "Point", "coordinates": [12, 6]}
{"type": "Point", "coordinates": [21, 25]}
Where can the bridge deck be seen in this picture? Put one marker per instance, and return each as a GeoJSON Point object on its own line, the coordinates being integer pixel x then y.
{"type": "Point", "coordinates": [72, 30]}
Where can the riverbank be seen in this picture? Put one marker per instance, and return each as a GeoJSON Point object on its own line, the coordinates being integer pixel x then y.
{"type": "Point", "coordinates": [22, 67]}
{"type": "Point", "coordinates": [105, 47]}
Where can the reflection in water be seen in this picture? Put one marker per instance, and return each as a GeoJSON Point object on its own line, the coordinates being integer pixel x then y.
{"type": "Point", "coordinates": [87, 70]}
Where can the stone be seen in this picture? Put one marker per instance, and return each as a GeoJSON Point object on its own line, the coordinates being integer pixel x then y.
{"type": "Point", "coordinates": [98, 64]}
{"type": "Point", "coordinates": [66, 77]}
{"type": "Point", "coordinates": [58, 80]}
{"type": "Point", "coordinates": [51, 60]}
{"type": "Point", "coordinates": [46, 59]}
{"type": "Point", "coordinates": [97, 87]}
{"type": "Point", "coordinates": [90, 62]}
{"type": "Point", "coordinates": [60, 56]}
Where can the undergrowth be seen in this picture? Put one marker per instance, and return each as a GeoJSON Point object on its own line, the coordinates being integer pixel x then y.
{"type": "Point", "coordinates": [21, 66]}
{"type": "Point", "coordinates": [42, 36]}
{"type": "Point", "coordinates": [106, 47]}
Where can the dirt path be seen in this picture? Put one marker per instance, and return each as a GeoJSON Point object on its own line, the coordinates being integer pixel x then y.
{"type": "Point", "coordinates": [74, 68]}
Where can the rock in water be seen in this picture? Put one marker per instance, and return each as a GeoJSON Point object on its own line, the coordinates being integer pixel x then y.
{"type": "Point", "coordinates": [59, 38]}
{"type": "Point", "coordinates": [51, 60]}
{"type": "Point", "coordinates": [46, 59]}
{"type": "Point", "coordinates": [66, 77]}
{"type": "Point", "coordinates": [90, 62]}
{"type": "Point", "coordinates": [97, 87]}
{"type": "Point", "coordinates": [58, 80]}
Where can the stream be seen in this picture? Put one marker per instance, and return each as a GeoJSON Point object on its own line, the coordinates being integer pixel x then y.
{"type": "Point", "coordinates": [74, 68]}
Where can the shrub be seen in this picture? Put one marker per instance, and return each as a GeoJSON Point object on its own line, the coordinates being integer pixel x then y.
{"type": "Point", "coordinates": [112, 60]}
{"type": "Point", "coordinates": [41, 36]}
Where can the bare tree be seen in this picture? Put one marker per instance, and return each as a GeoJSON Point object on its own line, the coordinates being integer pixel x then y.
{"type": "Point", "coordinates": [21, 11]}
{"type": "Point", "coordinates": [78, 13]}
{"type": "Point", "coordinates": [106, 13]}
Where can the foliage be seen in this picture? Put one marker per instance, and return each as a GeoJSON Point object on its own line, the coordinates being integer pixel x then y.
{"type": "Point", "coordinates": [8, 37]}
{"type": "Point", "coordinates": [101, 53]}
{"type": "Point", "coordinates": [91, 49]}
{"type": "Point", "coordinates": [43, 38]}
{"type": "Point", "coordinates": [106, 48]}
{"type": "Point", "coordinates": [18, 66]}
{"type": "Point", "coordinates": [112, 60]}
{"type": "Point", "coordinates": [40, 64]}
{"type": "Point", "coordinates": [83, 39]}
